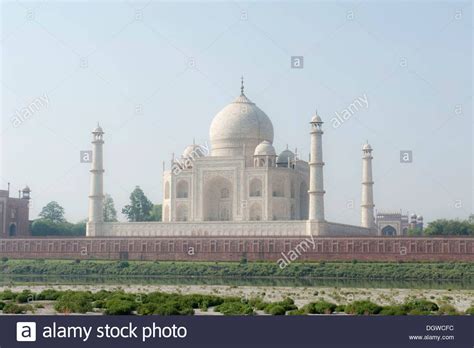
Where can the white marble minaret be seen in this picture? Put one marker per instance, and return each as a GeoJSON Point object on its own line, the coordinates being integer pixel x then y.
{"type": "Point", "coordinates": [96, 193]}
{"type": "Point", "coordinates": [367, 199]}
{"type": "Point", "coordinates": [316, 184]}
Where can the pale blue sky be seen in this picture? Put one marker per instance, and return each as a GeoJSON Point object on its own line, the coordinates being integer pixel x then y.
{"type": "Point", "coordinates": [142, 57]}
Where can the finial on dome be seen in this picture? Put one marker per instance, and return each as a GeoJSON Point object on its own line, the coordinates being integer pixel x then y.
{"type": "Point", "coordinates": [98, 129]}
{"type": "Point", "coordinates": [367, 147]}
{"type": "Point", "coordinates": [316, 119]}
{"type": "Point", "coordinates": [242, 85]}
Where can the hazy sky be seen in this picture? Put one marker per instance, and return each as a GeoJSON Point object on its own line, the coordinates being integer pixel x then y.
{"type": "Point", "coordinates": [155, 74]}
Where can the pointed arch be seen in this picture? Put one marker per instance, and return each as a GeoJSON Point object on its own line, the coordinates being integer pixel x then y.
{"type": "Point", "coordinates": [255, 212]}
{"type": "Point", "coordinates": [217, 199]}
{"type": "Point", "coordinates": [255, 188]}
{"type": "Point", "coordinates": [182, 189]}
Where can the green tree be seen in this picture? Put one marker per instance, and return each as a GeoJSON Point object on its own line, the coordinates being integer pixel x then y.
{"type": "Point", "coordinates": [445, 227]}
{"type": "Point", "coordinates": [110, 214]}
{"type": "Point", "coordinates": [53, 212]}
{"type": "Point", "coordinates": [415, 231]}
{"type": "Point", "coordinates": [139, 208]}
{"type": "Point", "coordinates": [156, 212]}
{"type": "Point", "coordinates": [43, 227]}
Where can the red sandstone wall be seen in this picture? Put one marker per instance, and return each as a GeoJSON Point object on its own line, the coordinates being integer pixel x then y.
{"type": "Point", "coordinates": [233, 249]}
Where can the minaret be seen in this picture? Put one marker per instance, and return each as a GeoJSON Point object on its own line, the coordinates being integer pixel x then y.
{"type": "Point", "coordinates": [367, 199]}
{"type": "Point", "coordinates": [316, 184]}
{"type": "Point", "coordinates": [96, 194]}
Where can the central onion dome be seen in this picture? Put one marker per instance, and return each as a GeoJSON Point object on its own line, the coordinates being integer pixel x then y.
{"type": "Point", "coordinates": [239, 127]}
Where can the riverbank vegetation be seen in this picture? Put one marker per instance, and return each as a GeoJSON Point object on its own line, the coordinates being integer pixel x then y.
{"type": "Point", "coordinates": [337, 270]}
{"type": "Point", "coordinates": [118, 302]}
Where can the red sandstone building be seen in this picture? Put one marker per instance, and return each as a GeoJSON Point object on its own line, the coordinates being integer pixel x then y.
{"type": "Point", "coordinates": [14, 214]}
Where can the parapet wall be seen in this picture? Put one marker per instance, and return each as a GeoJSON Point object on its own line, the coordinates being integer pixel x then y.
{"type": "Point", "coordinates": [293, 228]}
{"type": "Point", "coordinates": [234, 249]}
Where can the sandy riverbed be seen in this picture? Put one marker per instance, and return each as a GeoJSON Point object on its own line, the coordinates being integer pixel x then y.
{"type": "Point", "coordinates": [461, 299]}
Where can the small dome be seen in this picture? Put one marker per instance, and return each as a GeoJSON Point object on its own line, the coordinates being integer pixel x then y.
{"type": "Point", "coordinates": [367, 147]}
{"type": "Point", "coordinates": [284, 156]}
{"type": "Point", "coordinates": [26, 189]}
{"type": "Point", "coordinates": [98, 129]}
{"type": "Point", "coordinates": [316, 119]}
{"type": "Point", "coordinates": [193, 151]}
{"type": "Point", "coordinates": [420, 217]}
{"type": "Point", "coordinates": [413, 216]}
{"type": "Point", "coordinates": [265, 148]}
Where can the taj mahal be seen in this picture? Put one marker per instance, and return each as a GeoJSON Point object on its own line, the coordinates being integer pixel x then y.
{"type": "Point", "coordinates": [236, 198]}
{"type": "Point", "coordinates": [239, 185]}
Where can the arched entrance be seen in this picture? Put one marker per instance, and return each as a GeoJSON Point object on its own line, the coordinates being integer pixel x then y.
{"type": "Point", "coordinates": [182, 189]}
{"type": "Point", "coordinates": [255, 212]}
{"type": "Point", "coordinates": [182, 213]}
{"type": "Point", "coordinates": [255, 189]}
{"type": "Point", "coordinates": [12, 230]}
{"type": "Point", "coordinates": [217, 198]}
{"type": "Point", "coordinates": [389, 231]}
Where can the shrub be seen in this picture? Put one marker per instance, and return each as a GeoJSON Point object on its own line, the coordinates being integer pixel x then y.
{"type": "Point", "coordinates": [101, 295]}
{"type": "Point", "coordinates": [470, 310]}
{"type": "Point", "coordinates": [280, 308]}
{"type": "Point", "coordinates": [118, 306]}
{"type": "Point", "coordinates": [98, 304]}
{"type": "Point", "coordinates": [199, 301]}
{"type": "Point", "coordinates": [393, 310]}
{"type": "Point", "coordinates": [2, 304]}
{"type": "Point", "coordinates": [74, 302]}
{"type": "Point", "coordinates": [447, 309]}
{"type": "Point", "coordinates": [340, 308]}
{"type": "Point", "coordinates": [364, 307]}
{"type": "Point", "coordinates": [146, 309]}
{"type": "Point", "coordinates": [4, 259]}
{"type": "Point", "coordinates": [235, 308]}
{"type": "Point", "coordinates": [13, 308]}
{"type": "Point", "coordinates": [24, 297]}
{"type": "Point", "coordinates": [7, 295]}
{"type": "Point", "coordinates": [320, 307]}
{"type": "Point", "coordinates": [48, 295]}
{"type": "Point", "coordinates": [275, 309]}
{"type": "Point", "coordinates": [420, 307]}
{"type": "Point", "coordinates": [258, 303]}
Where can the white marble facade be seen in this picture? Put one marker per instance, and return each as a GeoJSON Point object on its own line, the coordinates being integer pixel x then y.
{"type": "Point", "coordinates": [238, 176]}
{"type": "Point", "coordinates": [237, 185]}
